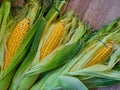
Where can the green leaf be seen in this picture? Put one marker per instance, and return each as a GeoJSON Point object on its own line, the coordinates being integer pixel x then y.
{"type": "Point", "coordinates": [20, 52]}
{"type": "Point", "coordinates": [94, 71]}
{"type": "Point", "coordinates": [2, 50]}
{"type": "Point", "coordinates": [71, 83]}
{"type": "Point", "coordinates": [5, 81]}
{"type": "Point", "coordinates": [58, 57]}
{"type": "Point", "coordinates": [79, 32]}
{"type": "Point", "coordinates": [7, 7]}
{"type": "Point", "coordinates": [86, 71]}
{"type": "Point", "coordinates": [30, 57]}
{"type": "Point", "coordinates": [99, 82]}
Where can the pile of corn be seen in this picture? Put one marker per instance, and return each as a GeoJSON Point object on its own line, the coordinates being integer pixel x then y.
{"type": "Point", "coordinates": [44, 48]}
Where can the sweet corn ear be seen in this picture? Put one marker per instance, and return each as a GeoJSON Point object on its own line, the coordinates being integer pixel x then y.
{"type": "Point", "coordinates": [100, 55]}
{"type": "Point", "coordinates": [53, 40]}
{"type": "Point", "coordinates": [14, 40]}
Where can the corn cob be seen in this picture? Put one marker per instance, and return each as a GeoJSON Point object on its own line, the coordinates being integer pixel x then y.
{"type": "Point", "coordinates": [53, 40]}
{"type": "Point", "coordinates": [15, 39]}
{"type": "Point", "coordinates": [100, 55]}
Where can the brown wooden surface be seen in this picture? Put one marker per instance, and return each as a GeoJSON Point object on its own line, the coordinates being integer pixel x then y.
{"type": "Point", "coordinates": [98, 13]}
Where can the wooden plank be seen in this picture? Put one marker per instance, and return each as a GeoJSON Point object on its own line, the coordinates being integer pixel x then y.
{"type": "Point", "coordinates": [115, 87]}
{"type": "Point", "coordinates": [78, 6]}
{"type": "Point", "coordinates": [101, 12]}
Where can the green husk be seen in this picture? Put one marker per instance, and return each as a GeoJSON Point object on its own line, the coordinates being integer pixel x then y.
{"type": "Point", "coordinates": [33, 11]}
{"type": "Point", "coordinates": [2, 50]}
{"type": "Point", "coordinates": [105, 30]}
{"type": "Point", "coordinates": [6, 80]}
{"type": "Point", "coordinates": [79, 32]}
{"type": "Point", "coordinates": [23, 44]}
{"type": "Point", "coordinates": [25, 65]}
{"type": "Point", "coordinates": [25, 12]}
{"type": "Point", "coordinates": [51, 16]}
{"type": "Point", "coordinates": [102, 82]}
{"type": "Point", "coordinates": [40, 23]}
{"type": "Point", "coordinates": [1, 13]}
{"type": "Point", "coordinates": [114, 58]}
{"type": "Point", "coordinates": [54, 74]}
{"type": "Point", "coordinates": [71, 83]}
{"type": "Point", "coordinates": [4, 18]}
{"type": "Point", "coordinates": [40, 84]}
{"type": "Point", "coordinates": [96, 82]}
{"type": "Point", "coordinates": [4, 15]}
{"type": "Point", "coordinates": [45, 82]}
{"type": "Point", "coordinates": [54, 61]}
{"type": "Point", "coordinates": [51, 61]}
{"type": "Point", "coordinates": [27, 61]}
{"type": "Point", "coordinates": [75, 66]}
{"type": "Point", "coordinates": [21, 51]}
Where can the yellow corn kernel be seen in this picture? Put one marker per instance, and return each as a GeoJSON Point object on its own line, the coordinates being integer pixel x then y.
{"type": "Point", "coordinates": [53, 40]}
{"type": "Point", "coordinates": [15, 39]}
{"type": "Point", "coordinates": [100, 55]}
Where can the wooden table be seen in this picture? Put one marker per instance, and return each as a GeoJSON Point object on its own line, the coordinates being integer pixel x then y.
{"type": "Point", "coordinates": [97, 12]}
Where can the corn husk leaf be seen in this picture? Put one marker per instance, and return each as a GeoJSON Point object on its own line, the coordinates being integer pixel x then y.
{"type": "Point", "coordinates": [5, 81]}
{"type": "Point", "coordinates": [67, 69]}
{"type": "Point", "coordinates": [71, 83]}
{"type": "Point", "coordinates": [4, 18]}
{"type": "Point", "coordinates": [1, 14]}
{"type": "Point", "coordinates": [68, 51]}
{"type": "Point", "coordinates": [54, 59]}
{"type": "Point", "coordinates": [17, 78]}
{"type": "Point", "coordinates": [25, 68]}
{"type": "Point", "coordinates": [25, 41]}
{"type": "Point", "coordinates": [43, 82]}
{"type": "Point", "coordinates": [114, 58]}
{"type": "Point", "coordinates": [53, 62]}
{"type": "Point", "coordinates": [6, 12]}
{"type": "Point", "coordinates": [96, 82]}
{"type": "Point", "coordinates": [2, 50]}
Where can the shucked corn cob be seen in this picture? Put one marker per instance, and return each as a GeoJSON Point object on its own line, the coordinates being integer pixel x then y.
{"type": "Point", "coordinates": [100, 55]}
{"type": "Point", "coordinates": [15, 39]}
{"type": "Point", "coordinates": [53, 40]}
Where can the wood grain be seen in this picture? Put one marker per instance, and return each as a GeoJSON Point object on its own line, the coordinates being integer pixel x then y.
{"type": "Point", "coordinates": [97, 12]}
{"type": "Point", "coordinates": [78, 6]}
{"type": "Point", "coordinates": [101, 12]}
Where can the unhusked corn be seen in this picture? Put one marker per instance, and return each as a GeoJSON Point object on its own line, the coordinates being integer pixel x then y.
{"type": "Point", "coordinates": [53, 40]}
{"type": "Point", "coordinates": [15, 39]}
{"type": "Point", "coordinates": [100, 55]}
